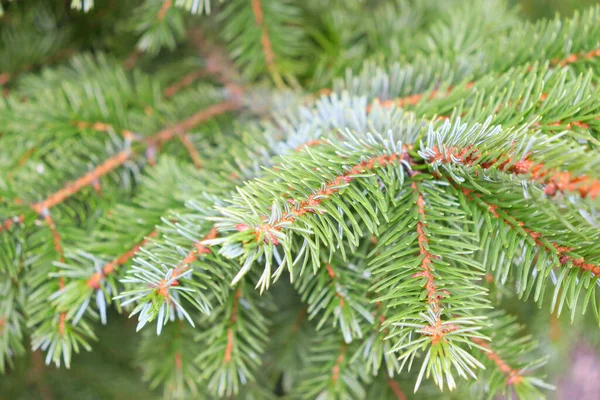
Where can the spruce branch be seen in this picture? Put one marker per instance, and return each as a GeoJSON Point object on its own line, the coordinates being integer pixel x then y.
{"type": "Point", "coordinates": [184, 82]}
{"type": "Point", "coordinates": [265, 42]}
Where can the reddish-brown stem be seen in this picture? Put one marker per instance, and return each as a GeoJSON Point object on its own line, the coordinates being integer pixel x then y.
{"type": "Point", "coordinates": [413, 99]}
{"type": "Point", "coordinates": [9, 223]}
{"type": "Point", "coordinates": [232, 319]}
{"type": "Point", "coordinates": [37, 373]}
{"type": "Point", "coordinates": [166, 5]}
{"type": "Point", "coordinates": [572, 58]}
{"type": "Point", "coordinates": [187, 124]}
{"type": "Point", "coordinates": [335, 371]}
{"type": "Point", "coordinates": [178, 361]}
{"type": "Point", "coordinates": [163, 287]}
{"type": "Point", "coordinates": [438, 330]}
{"type": "Point", "coordinates": [56, 239]}
{"type": "Point", "coordinates": [396, 389]}
{"type": "Point", "coordinates": [433, 298]}
{"type": "Point", "coordinates": [184, 82]}
{"type": "Point", "coordinates": [132, 59]}
{"type": "Point", "coordinates": [62, 318]}
{"type": "Point", "coordinates": [513, 376]}
{"type": "Point", "coordinates": [120, 158]}
{"type": "Point", "coordinates": [101, 127]}
{"type": "Point", "coordinates": [75, 186]}
{"type": "Point", "coordinates": [554, 179]}
{"type": "Point", "coordinates": [191, 150]}
{"type": "Point", "coordinates": [313, 201]}
{"type": "Point", "coordinates": [217, 63]}
{"type": "Point", "coordinates": [311, 143]}
{"type": "Point", "coordinates": [561, 252]}
{"type": "Point", "coordinates": [94, 281]}
{"type": "Point", "coordinates": [265, 41]}
{"type": "Point", "coordinates": [5, 77]}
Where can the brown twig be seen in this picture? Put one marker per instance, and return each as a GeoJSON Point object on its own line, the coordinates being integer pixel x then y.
{"type": "Point", "coordinates": [413, 99]}
{"type": "Point", "coordinates": [513, 376]}
{"type": "Point", "coordinates": [335, 371]}
{"type": "Point", "coordinates": [313, 201]}
{"type": "Point", "coordinates": [9, 223]}
{"type": "Point", "coordinates": [166, 5]}
{"type": "Point", "coordinates": [396, 389]}
{"type": "Point", "coordinates": [94, 281]}
{"type": "Point", "coordinates": [437, 330]}
{"type": "Point", "coordinates": [232, 319]}
{"type": "Point", "coordinates": [75, 186]}
{"type": "Point", "coordinates": [187, 124]}
{"type": "Point", "coordinates": [163, 287]}
{"type": "Point", "coordinates": [561, 252]}
{"type": "Point", "coordinates": [184, 82]}
{"type": "Point", "coordinates": [554, 179]}
{"type": "Point", "coordinates": [265, 42]}
{"type": "Point", "coordinates": [191, 150]}
{"type": "Point", "coordinates": [120, 158]}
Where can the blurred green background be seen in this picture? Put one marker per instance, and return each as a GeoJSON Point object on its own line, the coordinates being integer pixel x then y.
{"type": "Point", "coordinates": [534, 9]}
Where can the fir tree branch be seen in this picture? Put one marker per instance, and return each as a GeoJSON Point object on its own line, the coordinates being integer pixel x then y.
{"type": "Point", "coordinates": [184, 82]}
{"type": "Point", "coordinates": [103, 127]}
{"type": "Point", "coordinates": [561, 252]}
{"type": "Point", "coordinates": [575, 57]}
{"type": "Point", "coordinates": [396, 389]}
{"type": "Point", "coordinates": [120, 158]}
{"type": "Point", "coordinates": [513, 376]}
{"type": "Point", "coordinates": [554, 179]}
{"type": "Point", "coordinates": [166, 5]}
{"type": "Point", "coordinates": [72, 188]}
{"type": "Point", "coordinates": [194, 156]}
{"type": "Point", "coordinates": [265, 42]}
{"type": "Point", "coordinates": [162, 288]}
{"type": "Point", "coordinates": [189, 123]}
{"type": "Point", "coordinates": [217, 63]}
{"type": "Point", "coordinates": [266, 231]}
{"type": "Point", "coordinates": [94, 281]}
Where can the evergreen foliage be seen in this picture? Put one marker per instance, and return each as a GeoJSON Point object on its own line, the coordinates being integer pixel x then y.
{"type": "Point", "coordinates": [321, 199]}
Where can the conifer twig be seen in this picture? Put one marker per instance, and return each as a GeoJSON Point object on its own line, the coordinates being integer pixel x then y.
{"type": "Point", "coordinates": [335, 371]}
{"type": "Point", "coordinates": [396, 389]}
{"type": "Point", "coordinates": [437, 330]}
{"type": "Point", "coordinates": [561, 252]}
{"type": "Point", "coordinates": [232, 320]}
{"type": "Point", "coordinates": [109, 268]}
{"type": "Point", "coordinates": [217, 63]}
{"type": "Point", "coordinates": [184, 82]}
{"type": "Point", "coordinates": [513, 376]}
{"type": "Point", "coordinates": [120, 158]}
{"type": "Point", "coordinates": [573, 58]}
{"type": "Point", "coordinates": [199, 248]}
{"type": "Point", "coordinates": [185, 140]}
{"type": "Point", "coordinates": [265, 42]}
{"type": "Point", "coordinates": [190, 122]}
{"type": "Point", "coordinates": [413, 99]}
{"type": "Point", "coordinates": [73, 187]}
{"type": "Point", "coordinates": [554, 179]}
{"type": "Point", "coordinates": [312, 201]}
{"type": "Point", "coordinates": [10, 222]}
{"type": "Point", "coordinates": [166, 5]}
